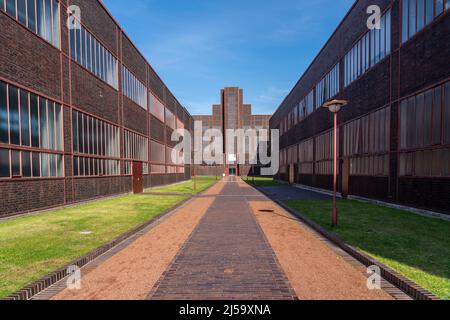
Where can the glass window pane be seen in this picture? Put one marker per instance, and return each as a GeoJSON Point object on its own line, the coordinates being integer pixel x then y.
{"type": "Point", "coordinates": [36, 164]}
{"type": "Point", "coordinates": [48, 21]}
{"type": "Point", "coordinates": [81, 167]}
{"type": "Point", "coordinates": [405, 15]}
{"type": "Point", "coordinates": [428, 110]}
{"type": "Point", "coordinates": [91, 135]}
{"type": "Point", "coordinates": [94, 137]}
{"type": "Point", "coordinates": [15, 163]}
{"type": "Point", "coordinates": [429, 11]}
{"type": "Point", "coordinates": [2, 4]}
{"type": "Point", "coordinates": [75, 166]}
{"type": "Point", "coordinates": [34, 121]}
{"type": "Point", "coordinates": [24, 119]}
{"type": "Point", "coordinates": [60, 165]}
{"type": "Point", "coordinates": [419, 120]}
{"type": "Point", "coordinates": [447, 4]}
{"type": "Point", "coordinates": [88, 51]}
{"type": "Point", "coordinates": [78, 44]}
{"type": "Point", "coordinates": [11, 7]}
{"type": "Point", "coordinates": [43, 123]}
{"type": "Point", "coordinates": [383, 38]}
{"type": "Point", "coordinates": [26, 164]}
{"type": "Point", "coordinates": [51, 125]}
{"type": "Point", "coordinates": [420, 14]}
{"type": "Point", "coordinates": [412, 18]}
{"type": "Point", "coordinates": [52, 165]}
{"type": "Point", "coordinates": [73, 37]}
{"type": "Point", "coordinates": [31, 7]}
{"type": "Point", "coordinates": [3, 114]}
{"type": "Point", "coordinates": [403, 127]}
{"type": "Point", "coordinates": [14, 115]}
{"type": "Point", "coordinates": [21, 11]}
{"type": "Point", "coordinates": [80, 133]}
{"type": "Point", "coordinates": [75, 131]}
{"type": "Point", "coordinates": [83, 48]}
{"type": "Point", "coordinates": [85, 134]}
{"type": "Point", "coordinates": [98, 67]}
{"type": "Point", "coordinates": [447, 114]}
{"type": "Point", "coordinates": [102, 59]}
{"type": "Point", "coordinates": [44, 165]}
{"type": "Point", "coordinates": [437, 109]}
{"type": "Point", "coordinates": [40, 18]}
{"type": "Point", "coordinates": [4, 163]}
{"type": "Point", "coordinates": [439, 7]}
{"type": "Point", "coordinates": [58, 127]}
{"type": "Point", "coordinates": [388, 32]}
{"type": "Point", "coordinates": [56, 28]}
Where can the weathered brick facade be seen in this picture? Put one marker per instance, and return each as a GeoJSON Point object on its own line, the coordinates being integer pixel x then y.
{"type": "Point", "coordinates": [30, 63]}
{"type": "Point", "coordinates": [412, 67]}
{"type": "Point", "coordinates": [231, 113]}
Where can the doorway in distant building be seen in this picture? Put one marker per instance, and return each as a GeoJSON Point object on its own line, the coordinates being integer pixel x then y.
{"type": "Point", "coordinates": [138, 178]}
{"type": "Point", "coordinates": [233, 172]}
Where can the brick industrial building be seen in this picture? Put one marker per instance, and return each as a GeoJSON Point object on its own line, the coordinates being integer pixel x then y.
{"type": "Point", "coordinates": [231, 113]}
{"type": "Point", "coordinates": [394, 135]}
{"type": "Point", "coordinates": [82, 113]}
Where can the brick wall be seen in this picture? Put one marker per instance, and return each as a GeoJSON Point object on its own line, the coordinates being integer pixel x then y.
{"type": "Point", "coordinates": [19, 51]}
{"type": "Point", "coordinates": [29, 61]}
{"type": "Point", "coordinates": [28, 195]}
{"type": "Point", "coordinates": [419, 63]}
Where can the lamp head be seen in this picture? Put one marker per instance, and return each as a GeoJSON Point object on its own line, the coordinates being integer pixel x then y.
{"type": "Point", "coordinates": [335, 105]}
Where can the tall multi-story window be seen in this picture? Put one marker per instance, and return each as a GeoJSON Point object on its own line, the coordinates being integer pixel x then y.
{"type": "Point", "coordinates": [306, 157]}
{"type": "Point", "coordinates": [92, 55]}
{"type": "Point", "coordinates": [133, 88]}
{"type": "Point", "coordinates": [31, 137]}
{"type": "Point", "coordinates": [425, 133]}
{"type": "Point", "coordinates": [416, 14]}
{"type": "Point", "coordinates": [328, 87]}
{"type": "Point", "coordinates": [40, 16]}
{"type": "Point", "coordinates": [136, 149]}
{"type": "Point", "coordinates": [373, 47]}
{"type": "Point", "coordinates": [324, 153]}
{"type": "Point", "coordinates": [366, 143]}
{"type": "Point", "coordinates": [95, 146]}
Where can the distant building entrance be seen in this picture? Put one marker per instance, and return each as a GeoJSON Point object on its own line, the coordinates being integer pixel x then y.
{"type": "Point", "coordinates": [138, 178]}
{"type": "Point", "coordinates": [233, 172]}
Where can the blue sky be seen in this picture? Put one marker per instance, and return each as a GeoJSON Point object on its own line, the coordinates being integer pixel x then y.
{"type": "Point", "coordinates": [201, 46]}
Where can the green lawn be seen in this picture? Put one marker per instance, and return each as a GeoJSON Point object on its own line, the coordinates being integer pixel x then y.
{"type": "Point", "coordinates": [187, 187]}
{"type": "Point", "coordinates": [415, 246]}
{"type": "Point", "coordinates": [261, 181]}
{"type": "Point", "coordinates": [33, 246]}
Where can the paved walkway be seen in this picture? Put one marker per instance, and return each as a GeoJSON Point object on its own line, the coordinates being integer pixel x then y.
{"type": "Point", "coordinates": [227, 257]}
{"type": "Point", "coordinates": [231, 243]}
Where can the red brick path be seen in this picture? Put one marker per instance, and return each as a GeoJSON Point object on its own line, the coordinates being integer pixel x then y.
{"type": "Point", "coordinates": [227, 257]}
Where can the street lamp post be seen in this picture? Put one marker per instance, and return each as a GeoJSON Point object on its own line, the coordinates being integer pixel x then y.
{"type": "Point", "coordinates": [335, 106]}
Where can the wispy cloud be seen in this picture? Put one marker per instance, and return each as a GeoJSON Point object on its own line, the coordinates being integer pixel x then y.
{"type": "Point", "coordinates": [200, 46]}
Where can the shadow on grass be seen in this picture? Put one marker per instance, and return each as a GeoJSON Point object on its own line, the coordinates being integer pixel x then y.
{"type": "Point", "coordinates": [261, 181]}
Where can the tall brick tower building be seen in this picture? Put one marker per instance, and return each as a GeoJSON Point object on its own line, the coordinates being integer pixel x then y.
{"type": "Point", "coordinates": [231, 113]}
